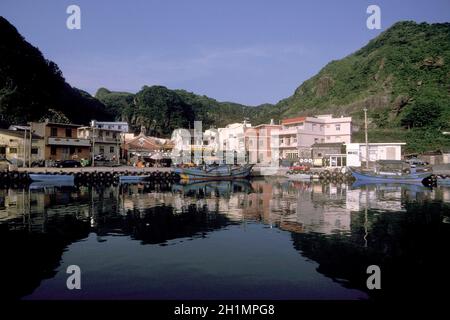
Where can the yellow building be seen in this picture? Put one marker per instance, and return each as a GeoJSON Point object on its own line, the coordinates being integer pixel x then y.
{"type": "Point", "coordinates": [15, 146]}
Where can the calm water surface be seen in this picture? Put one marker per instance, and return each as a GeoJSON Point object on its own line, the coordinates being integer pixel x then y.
{"type": "Point", "coordinates": [260, 239]}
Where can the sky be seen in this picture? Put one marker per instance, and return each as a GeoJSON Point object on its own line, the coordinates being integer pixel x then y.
{"type": "Point", "coordinates": [245, 51]}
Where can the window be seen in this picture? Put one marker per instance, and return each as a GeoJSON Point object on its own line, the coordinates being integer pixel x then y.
{"type": "Point", "coordinates": [111, 149]}
{"type": "Point", "coordinates": [72, 150]}
{"type": "Point", "coordinates": [12, 150]}
{"type": "Point", "coordinates": [107, 133]}
{"type": "Point", "coordinates": [102, 149]}
{"type": "Point", "coordinates": [316, 140]}
{"type": "Point", "coordinates": [68, 132]}
{"type": "Point", "coordinates": [114, 135]}
{"type": "Point", "coordinates": [34, 150]}
{"type": "Point", "coordinates": [53, 150]}
{"type": "Point", "coordinates": [53, 132]}
{"type": "Point", "coordinates": [338, 127]}
{"type": "Point", "coordinates": [119, 127]}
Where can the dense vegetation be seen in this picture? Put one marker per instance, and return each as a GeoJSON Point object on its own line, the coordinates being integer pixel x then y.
{"type": "Point", "coordinates": [402, 77]}
{"type": "Point", "coordinates": [30, 85]}
{"type": "Point", "coordinates": [161, 110]}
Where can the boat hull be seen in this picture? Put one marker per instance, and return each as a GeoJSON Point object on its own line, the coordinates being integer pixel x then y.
{"type": "Point", "coordinates": [215, 173]}
{"type": "Point", "coordinates": [443, 182]}
{"type": "Point", "coordinates": [406, 178]}
{"type": "Point", "coordinates": [51, 177]}
{"type": "Point", "coordinates": [300, 177]}
{"type": "Point", "coordinates": [125, 179]}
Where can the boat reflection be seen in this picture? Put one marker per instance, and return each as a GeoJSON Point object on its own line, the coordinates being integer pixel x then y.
{"type": "Point", "coordinates": [344, 228]}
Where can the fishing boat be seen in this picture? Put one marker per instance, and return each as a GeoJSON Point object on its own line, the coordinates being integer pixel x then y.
{"type": "Point", "coordinates": [391, 171]}
{"type": "Point", "coordinates": [51, 184]}
{"type": "Point", "coordinates": [131, 178]}
{"type": "Point", "coordinates": [215, 172]}
{"type": "Point", "coordinates": [45, 177]}
{"type": "Point", "coordinates": [443, 181]}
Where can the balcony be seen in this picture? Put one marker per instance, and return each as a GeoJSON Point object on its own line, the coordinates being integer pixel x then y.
{"type": "Point", "coordinates": [107, 140]}
{"type": "Point", "coordinates": [287, 131]}
{"type": "Point", "coordinates": [55, 141]}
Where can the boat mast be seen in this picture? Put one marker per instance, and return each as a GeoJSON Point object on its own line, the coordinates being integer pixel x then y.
{"type": "Point", "coordinates": [367, 140]}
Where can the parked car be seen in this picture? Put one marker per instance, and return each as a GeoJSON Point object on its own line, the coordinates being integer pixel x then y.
{"type": "Point", "coordinates": [67, 164]}
{"type": "Point", "coordinates": [300, 167]}
{"type": "Point", "coordinates": [416, 162]}
{"type": "Point", "coordinates": [100, 157]}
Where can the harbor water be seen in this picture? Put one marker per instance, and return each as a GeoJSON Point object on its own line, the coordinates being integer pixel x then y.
{"type": "Point", "coordinates": [258, 239]}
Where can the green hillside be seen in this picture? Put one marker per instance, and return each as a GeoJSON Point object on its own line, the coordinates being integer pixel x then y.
{"type": "Point", "coordinates": [402, 77]}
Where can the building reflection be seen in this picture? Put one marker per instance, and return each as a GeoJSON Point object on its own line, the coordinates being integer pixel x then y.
{"type": "Point", "coordinates": [291, 206]}
{"type": "Point", "coordinates": [337, 225]}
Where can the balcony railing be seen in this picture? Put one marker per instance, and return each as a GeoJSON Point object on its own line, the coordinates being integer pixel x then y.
{"type": "Point", "coordinates": [69, 142]}
{"type": "Point", "coordinates": [287, 131]}
{"type": "Point", "coordinates": [107, 139]}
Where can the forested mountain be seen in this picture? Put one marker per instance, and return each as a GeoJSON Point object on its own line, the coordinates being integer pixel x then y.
{"type": "Point", "coordinates": [30, 85]}
{"type": "Point", "coordinates": [402, 77]}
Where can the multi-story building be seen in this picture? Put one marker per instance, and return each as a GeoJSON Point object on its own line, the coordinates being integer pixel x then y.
{"type": "Point", "coordinates": [297, 135]}
{"type": "Point", "coordinates": [61, 141]}
{"type": "Point", "coordinates": [105, 138]}
{"type": "Point", "coordinates": [232, 141]}
{"type": "Point", "coordinates": [259, 144]}
{"type": "Point", "coordinates": [15, 145]}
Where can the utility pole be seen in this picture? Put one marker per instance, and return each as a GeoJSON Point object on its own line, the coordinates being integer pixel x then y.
{"type": "Point", "coordinates": [367, 139]}
{"type": "Point", "coordinates": [31, 147]}
{"type": "Point", "coordinates": [24, 148]}
{"type": "Point", "coordinates": [93, 142]}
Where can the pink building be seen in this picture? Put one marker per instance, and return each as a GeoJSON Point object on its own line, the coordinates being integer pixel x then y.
{"type": "Point", "coordinates": [297, 135]}
{"type": "Point", "coordinates": [258, 143]}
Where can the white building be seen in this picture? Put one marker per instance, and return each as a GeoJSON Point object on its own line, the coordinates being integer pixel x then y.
{"type": "Point", "coordinates": [105, 137]}
{"type": "Point", "coordinates": [232, 141]}
{"type": "Point", "coordinates": [232, 137]}
{"type": "Point", "coordinates": [356, 152]}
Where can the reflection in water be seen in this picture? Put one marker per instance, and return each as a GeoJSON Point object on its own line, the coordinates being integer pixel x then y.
{"type": "Point", "coordinates": [260, 239]}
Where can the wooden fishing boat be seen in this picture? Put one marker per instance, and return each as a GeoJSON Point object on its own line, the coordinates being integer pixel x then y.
{"type": "Point", "coordinates": [391, 171]}
{"type": "Point", "coordinates": [44, 177]}
{"type": "Point", "coordinates": [215, 172]}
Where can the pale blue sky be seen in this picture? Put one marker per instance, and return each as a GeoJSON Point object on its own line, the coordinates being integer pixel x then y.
{"type": "Point", "coordinates": [250, 52]}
